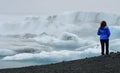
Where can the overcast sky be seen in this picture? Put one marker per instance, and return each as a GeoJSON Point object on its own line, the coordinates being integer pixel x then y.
{"type": "Point", "coordinates": [57, 6]}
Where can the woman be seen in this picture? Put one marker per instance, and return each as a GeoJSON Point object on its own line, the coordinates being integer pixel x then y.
{"type": "Point", "coordinates": [104, 34]}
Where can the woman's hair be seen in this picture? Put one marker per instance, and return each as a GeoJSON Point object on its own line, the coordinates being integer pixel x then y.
{"type": "Point", "coordinates": [103, 24]}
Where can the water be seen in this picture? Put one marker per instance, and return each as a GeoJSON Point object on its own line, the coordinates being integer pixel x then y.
{"type": "Point", "coordinates": [15, 64]}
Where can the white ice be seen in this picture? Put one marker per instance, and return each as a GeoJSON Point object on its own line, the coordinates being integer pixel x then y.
{"type": "Point", "coordinates": [55, 38]}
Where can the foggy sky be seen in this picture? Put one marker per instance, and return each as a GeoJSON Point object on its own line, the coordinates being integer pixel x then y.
{"type": "Point", "coordinates": [57, 6]}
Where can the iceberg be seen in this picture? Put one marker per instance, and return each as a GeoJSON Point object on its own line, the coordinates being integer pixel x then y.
{"type": "Point", "coordinates": [55, 38]}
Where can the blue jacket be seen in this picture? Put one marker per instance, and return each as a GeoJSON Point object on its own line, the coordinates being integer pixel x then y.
{"type": "Point", "coordinates": [104, 33]}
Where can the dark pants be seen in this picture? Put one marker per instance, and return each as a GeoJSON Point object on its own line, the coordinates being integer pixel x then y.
{"type": "Point", "coordinates": [103, 44]}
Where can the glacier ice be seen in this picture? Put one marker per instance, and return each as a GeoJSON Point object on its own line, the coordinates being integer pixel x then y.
{"type": "Point", "coordinates": [55, 38]}
{"type": "Point", "coordinates": [61, 22]}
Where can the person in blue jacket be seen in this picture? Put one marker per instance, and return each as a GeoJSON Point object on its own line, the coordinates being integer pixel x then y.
{"type": "Point", "coordinates": [104, 33]}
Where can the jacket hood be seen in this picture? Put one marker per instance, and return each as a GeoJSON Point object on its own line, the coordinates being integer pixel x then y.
{"type": "Point", "coordinates": [106, 27]}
